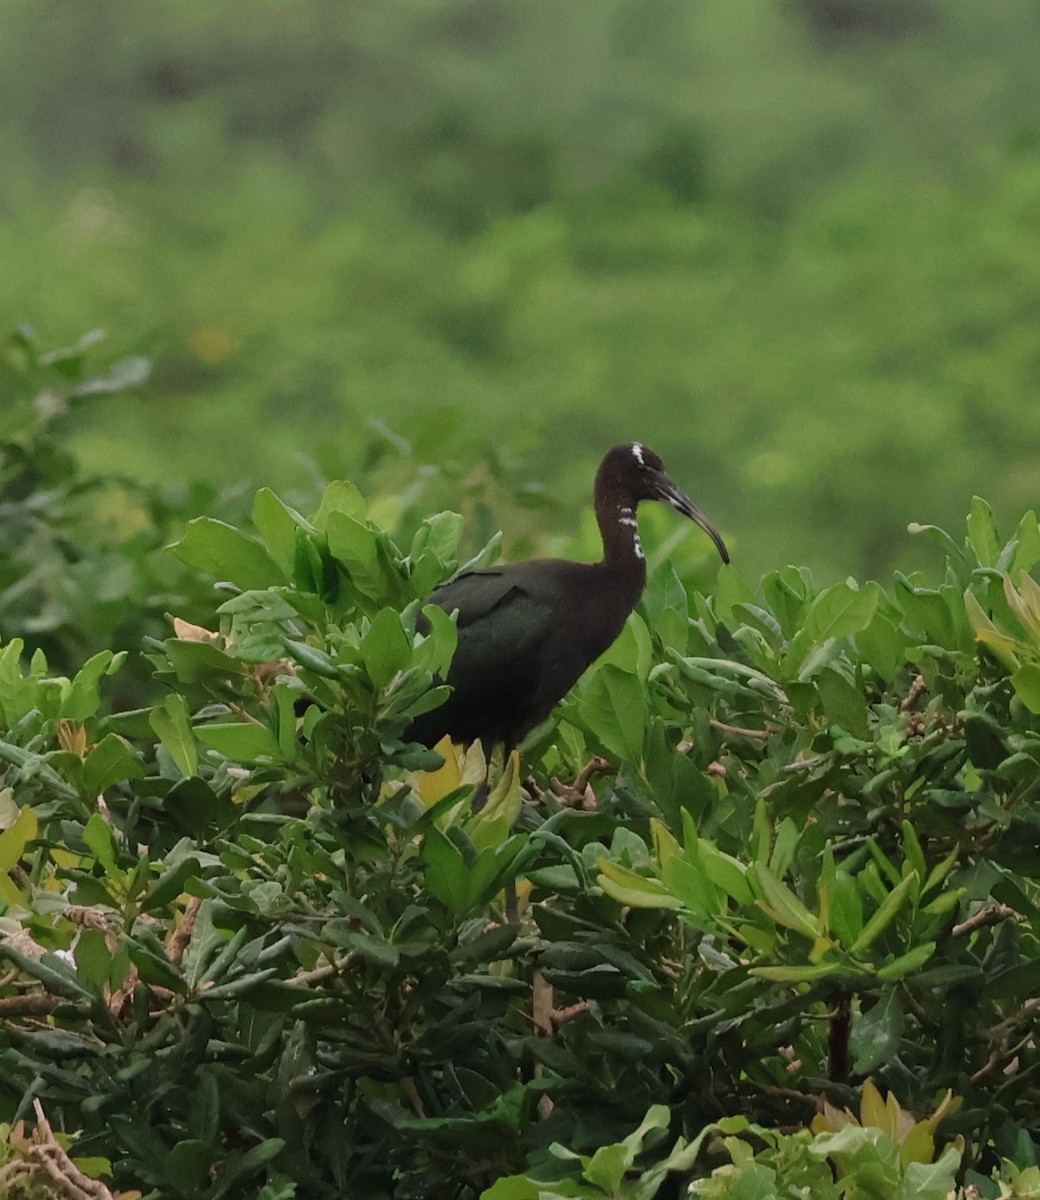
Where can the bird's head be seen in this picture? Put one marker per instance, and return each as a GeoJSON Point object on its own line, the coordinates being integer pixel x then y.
{"type": "Point", "coordinates": [632, 472]}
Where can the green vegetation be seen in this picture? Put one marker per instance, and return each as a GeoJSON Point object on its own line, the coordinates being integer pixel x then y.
{"type": "Point", "coordinates": [757, 912]}
{"type": "Point", "coordinates": [792, 244]}
{"type": "Point", "coordinates": [778, 848]}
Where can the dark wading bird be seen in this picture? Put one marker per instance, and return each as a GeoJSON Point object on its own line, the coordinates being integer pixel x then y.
{"type": "Point", "coordinates": [529, 630]}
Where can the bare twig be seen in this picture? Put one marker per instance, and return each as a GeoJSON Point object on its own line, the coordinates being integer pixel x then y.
{"type": "Point", "coordinates": [597, 765]}
{"type": "Point", "coordinates": [412, 1092]}
{"type": "Point", "coordinates": [909, 702]}
{"type": "Point", "coordinates": [178, 940]}
{"type": "Point", "coordinates": [542, 1001]}
{"type": "Point", "coordinates": [560, 1016]}
{"type": "Point", "coordinates": [1005, 1053]}
{"type": "Point", "coordinates": [740, 730]}
{"type": "Point", "coordinates": [48, 1152]}
{"type": "Point", "coordinates": [31, 1004]}
{"type": "Point", "coordinates": [579, 794]}
{"type": "Point", "coordinates": [989, 914]}
{"type": "Point", "coordinates": [320, 974]}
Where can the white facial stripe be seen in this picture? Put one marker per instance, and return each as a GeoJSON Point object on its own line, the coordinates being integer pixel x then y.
{"type": "Point", "coordinates": [637, 453]}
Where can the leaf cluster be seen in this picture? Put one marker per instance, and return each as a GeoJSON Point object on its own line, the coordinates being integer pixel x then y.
{"type": "Point", "coordinates": [776, 847]}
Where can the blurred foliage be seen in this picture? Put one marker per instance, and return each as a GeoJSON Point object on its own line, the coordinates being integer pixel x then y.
{"type": "Point", "coordinates": [792, 243]}
{"type": "Point", "coordinates": [759, 912]}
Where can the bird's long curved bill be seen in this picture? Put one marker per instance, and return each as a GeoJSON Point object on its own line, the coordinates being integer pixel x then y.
{"type": "Point", "coordinates": [679, 500]}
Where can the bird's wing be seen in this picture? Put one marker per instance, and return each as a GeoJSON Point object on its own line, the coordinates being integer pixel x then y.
{"type": "Point", "coordinates": [503, 625]}
{"type": "Point", "coordinates": [476, 594]}
{"type": "Point", "coordinates": [498, 667]}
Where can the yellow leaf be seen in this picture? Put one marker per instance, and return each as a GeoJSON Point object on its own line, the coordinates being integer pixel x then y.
{"type": "Point", "coordinates": [636, 891]}
{"type": "Point", "coordinates": [72, 735]}
{"type": "Point", "coordinates": [505, 797]}
{"type": "Point", "coordinates": [664, 843]}
{"type": "Point", "coordinates": [10, 895]}
{"type": "Point", "coordinates": [1029, 590]}
{"type": "Point", "coordinates": [14, 840]}
{"type": "Point", "coordinates": [1024, 605]}
{"type": "Point", "coordinates": [872, 1107]}
{"type": "Point", "coordinates": [999, 644]}
{"type": "Point", "coordinates": [918, 1145]}
{"type": "Point", "coordinates": [435, 785]}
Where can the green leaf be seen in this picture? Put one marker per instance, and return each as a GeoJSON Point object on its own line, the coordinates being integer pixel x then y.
{"type": "Point", "coordinates": [341, 497]}
{"type": "Point", "coordinates": [898, 968]}
{"type": "Point", "coordinates": [787, 593]}
{"type": "Point", "coordinates": [233, 1171]}
{"type": "Point", "coordinates": [446, 871]}
{"type": "Point", "coordinates": [881, 646]}
{"type": "Point", "coordinates": [846, 907]}
{"type": "Point", "coordinates": [844, 705]}
{"type": "Point", "coordinates": [193, 661]}
{"type": "Point", "coordinates": [725, 872]}
{"type": "Point", "coordinates": [886, 913]}
{"type": "Point", "coordinates": [982, 533]}
{"type": "Point", "coordinates": [435, 652]}
{"type": "Point", "coordinates": [781, 903]}
{"type": "Point", "coordinates": [97, 833]}
{"type": "Point", "coordinates": [1026, 682]}
{"type": "Point", "coordinates": [171, 884]}
{"type": "Point", "coordinates": [689, 884]}
{"type": "Point", "coordinates": [111, 761]}
{"type": "Point", "coordinates": [83, 698]}
{"type": "Point", "coordinates": [356, 546]}
{"type": "Point", "coordinates": [807, 973]}
{"type": "Point", "coordinates": [53, 972]}
{"type": "Point", "coordinates": [935, 1180]}
{"type": "Point", "coordinates": [444, 530]}
{"type": "Point", "coordinates": [222, 550]}
{"type": "Point", "coordinates": [636, 891]}
{"type": "Point", "coordinates": [94, 960]}
{"type": "Point", "coordinates": [520, 1187]}
{"type": "Point", "coordinates": [730, 590]}
{"type": "Point", "coordinates": [632, 650]}
{"type": "Point", "coordinates": [277, 525]}
{"type": "Point", "coordinates": [241, 741]}
{"type": "Point", "coordinates": [194, 807]}
{"type": "Point", "coordinates": [188, 1165]}
{"type": "Point", "coordinates": [876, 1034]}
{"type": "Point", "coordinates": [614, 706]}
{"type": "Point", "coordinates": [385, 649]}
{"type": "Point", "coordinates": [172, 726]}
{"type": "Point", "coordinates": [1026, 543]}
{"type": "Point", "coordinates": [841, 610]}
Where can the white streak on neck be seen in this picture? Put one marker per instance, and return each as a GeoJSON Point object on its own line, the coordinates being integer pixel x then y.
{"type": "Point", "coordinates": [628, 518]}
{"type": "Point", "coordinates": [637, 453]}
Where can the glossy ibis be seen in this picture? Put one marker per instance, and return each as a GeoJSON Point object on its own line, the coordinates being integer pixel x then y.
{"type": "Point", "coordinates": [529, 630]}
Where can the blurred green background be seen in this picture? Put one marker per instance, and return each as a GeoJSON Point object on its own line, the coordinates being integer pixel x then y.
{"type": "Point", "coordinates": [794, 245]}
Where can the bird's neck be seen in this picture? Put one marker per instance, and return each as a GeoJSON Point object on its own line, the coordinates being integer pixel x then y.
{"type": "Point", "coordinates": [622, 549]}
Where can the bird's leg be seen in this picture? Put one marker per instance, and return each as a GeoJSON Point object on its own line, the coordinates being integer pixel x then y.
{"type": "Point", "coordinates": [579, 794]}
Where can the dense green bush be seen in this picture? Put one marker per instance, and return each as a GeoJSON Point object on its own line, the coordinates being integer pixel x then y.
{"type": "Point", "coordinates": [795, 242]}
{"type": "Point", "coordinates": [777, 847]}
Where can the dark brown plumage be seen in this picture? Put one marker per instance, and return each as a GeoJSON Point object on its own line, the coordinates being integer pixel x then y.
{"type": "Point", "coordinates": [529, 630]}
